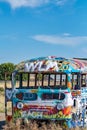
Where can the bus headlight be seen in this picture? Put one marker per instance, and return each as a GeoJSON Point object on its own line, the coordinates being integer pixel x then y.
{"type": "Point", "coordinates": [60, 106]}
{"type": "Point", "coordinates": [19, 105]}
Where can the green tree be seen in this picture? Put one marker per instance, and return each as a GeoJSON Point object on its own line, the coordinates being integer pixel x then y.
{"type": "Point", "coordinates": [6, 68]}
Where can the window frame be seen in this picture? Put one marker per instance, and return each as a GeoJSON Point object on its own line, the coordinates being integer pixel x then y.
{"type": "Point", "coordinates": [35, 86]}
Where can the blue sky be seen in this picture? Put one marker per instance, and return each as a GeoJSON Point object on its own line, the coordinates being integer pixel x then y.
{"type": "Point", "coordinates": [34, 28]}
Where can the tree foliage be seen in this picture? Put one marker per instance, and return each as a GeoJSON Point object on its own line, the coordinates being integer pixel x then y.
{"type": "Point", "coordinates": [6, 68]}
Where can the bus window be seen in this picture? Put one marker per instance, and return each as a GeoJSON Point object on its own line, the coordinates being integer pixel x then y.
{"type": "Point", "coordinates": [63, 79]}
{"type": "Point", "coordinates": [83, 80]}
{"type": "Point", "coordinates": [52, 77]}
{"type": "Point", "coordinates": [24, 79]}
{"type": "Point", "coordinates": [32, 80]}
{"type": "Point", "coordinates": [38, 79]}
{"type": "Point", "coordinates": [75, 81]}
{"type": "Point", "coordinates": [27, 80]}
{"type": "Point", "coordinates": [42, 80]}
{"type": "Point", "coordinates": [17, 78]}
{"type": "Point", "coordinates": [58, 80]}
{"type": "Point", "coordinates": [45, 79]}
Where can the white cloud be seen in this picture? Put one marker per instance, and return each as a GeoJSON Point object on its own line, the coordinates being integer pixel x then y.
{"type": "Point", "coordinates": [20, 3]}
{"type": "Point", "coordinates": [61, 40]}
{"type": "Point", "coordinates": [33, 3]}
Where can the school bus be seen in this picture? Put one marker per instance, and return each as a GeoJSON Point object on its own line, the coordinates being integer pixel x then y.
{"type": "Point", "coordinates": [49, 88]}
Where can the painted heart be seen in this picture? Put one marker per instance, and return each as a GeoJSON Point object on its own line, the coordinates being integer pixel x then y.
{"type": "Point", "coordinates": [9, 94]}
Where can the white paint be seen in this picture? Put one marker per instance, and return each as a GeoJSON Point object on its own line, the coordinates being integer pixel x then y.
{"type": "Point", "coordinates": [68, 101]}
{"type": "Point", "coordinates": [9, 94]}
{"type": "Point", "coordinates": [41, 66]}
{"type": "Point", "coordinates": [19, 105]}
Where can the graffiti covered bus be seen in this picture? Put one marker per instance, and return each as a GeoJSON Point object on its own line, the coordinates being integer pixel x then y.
{"type": "Point", "coordinates": [49, 88]}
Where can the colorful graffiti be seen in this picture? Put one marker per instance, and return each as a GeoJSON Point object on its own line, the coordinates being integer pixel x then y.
{"type": "Point", "coordinates": [52, 63]}
{"type": "Point", "coordinates": [42, 106]}
{"type": "Point", "coordinates": [50, 103]}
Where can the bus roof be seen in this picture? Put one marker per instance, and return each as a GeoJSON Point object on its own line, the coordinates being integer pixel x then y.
{"type": "Point", "coordinates": [52, 63]}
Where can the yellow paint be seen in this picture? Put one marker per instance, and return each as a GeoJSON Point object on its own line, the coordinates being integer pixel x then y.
{"type": "Point", "coordinates": [34, 91]}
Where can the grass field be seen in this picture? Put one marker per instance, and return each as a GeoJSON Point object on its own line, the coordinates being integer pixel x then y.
{"type": "Point", "coordinates": [2, 96]}
{"type": "Point", "coordinates": [2, 99]}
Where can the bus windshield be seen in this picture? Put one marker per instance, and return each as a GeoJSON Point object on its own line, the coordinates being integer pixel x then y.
{"type": "Point", "coordinates": [43, 80]}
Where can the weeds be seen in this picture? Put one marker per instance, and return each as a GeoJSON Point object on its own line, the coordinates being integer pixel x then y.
{"type": "Point", "coordinates": [34, 125]}
{"type": "Point", "coordinates": [1, 89]}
